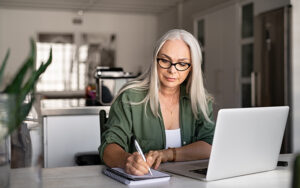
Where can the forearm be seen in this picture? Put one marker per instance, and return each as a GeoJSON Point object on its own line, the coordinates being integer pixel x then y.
{"type": "Point", "coordinates": [194, 151]}
{"type": "Point", "coordinates": [115, 156]}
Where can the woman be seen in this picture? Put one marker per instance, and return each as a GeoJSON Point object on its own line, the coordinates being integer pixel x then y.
{"type": "Point", "coordinates": [167, 109]}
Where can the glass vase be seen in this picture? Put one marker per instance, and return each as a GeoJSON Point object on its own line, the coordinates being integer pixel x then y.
{"type": "Point", "coordinates": [4, 163]}
{"type": "Point", "coordinates": [26, 150]}
{"type": "Point", "coordinates": [6, 102]}
{"type": "Point", "coordinates": [20, 146]}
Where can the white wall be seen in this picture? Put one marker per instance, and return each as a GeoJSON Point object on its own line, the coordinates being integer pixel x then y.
{"type": "Point", "coordinates": [267, 5]}
{"type": "Point", "coordinates": [296, 73]}
{"type": "Point", "coordinates": [167, 21]}
{"type": "Point", "coordinates": [192, 7]}
{"type": "Point", "coordinates": [136, 33]}
{"type": "Point", "coordinates": [221, 56]}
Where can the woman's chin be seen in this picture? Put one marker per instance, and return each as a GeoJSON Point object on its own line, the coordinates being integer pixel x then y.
{"type": "Point", "coordinates": [170, 84]}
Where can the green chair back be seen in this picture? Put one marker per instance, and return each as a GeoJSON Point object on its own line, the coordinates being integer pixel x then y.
{"type": "Point", "coordinates": [296, 173]}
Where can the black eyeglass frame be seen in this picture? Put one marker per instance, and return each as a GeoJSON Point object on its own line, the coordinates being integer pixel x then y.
{"type": "Point", "coordinates": [172, 64]}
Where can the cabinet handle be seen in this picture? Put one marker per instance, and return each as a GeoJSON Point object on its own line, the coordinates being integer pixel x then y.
{"type": "Point", "coordinates": [253, 89]}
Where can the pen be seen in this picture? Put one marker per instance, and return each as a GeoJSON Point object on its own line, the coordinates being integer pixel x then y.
{"type": "Point", "coordinates": [138, 148]}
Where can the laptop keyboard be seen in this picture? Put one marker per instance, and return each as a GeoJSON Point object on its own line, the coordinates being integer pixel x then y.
{"type": "Point", "coordinates": [200, 171]}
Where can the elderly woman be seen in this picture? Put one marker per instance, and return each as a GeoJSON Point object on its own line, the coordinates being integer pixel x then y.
{"type": "Point", "coordinates": [167, 110]}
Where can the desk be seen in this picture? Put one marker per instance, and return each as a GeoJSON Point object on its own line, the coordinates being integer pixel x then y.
{"type": "Point", "coordinates": [91, 176]}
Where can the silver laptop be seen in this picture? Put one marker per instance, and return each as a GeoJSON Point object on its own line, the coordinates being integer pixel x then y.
{"type": "Point", "coordinates": [246, 141]}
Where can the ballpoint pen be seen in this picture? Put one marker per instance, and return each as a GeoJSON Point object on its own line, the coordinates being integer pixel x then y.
{"type": "Point", "coordinates": [138, 148]}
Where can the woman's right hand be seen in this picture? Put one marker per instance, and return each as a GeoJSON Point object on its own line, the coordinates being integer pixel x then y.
{"type": "Point", "coordinates": [134, 164]}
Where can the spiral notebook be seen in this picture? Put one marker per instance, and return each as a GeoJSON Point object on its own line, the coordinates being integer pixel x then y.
{"type": "Point", "coordinates": [120, 175]}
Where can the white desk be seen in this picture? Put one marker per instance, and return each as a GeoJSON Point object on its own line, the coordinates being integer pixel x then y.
{"type": "Point", "coordinates": [91, 176]}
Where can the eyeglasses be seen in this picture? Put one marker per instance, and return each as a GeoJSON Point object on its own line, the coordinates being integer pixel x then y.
{"type": "Point", "coordinates": [166, 64]}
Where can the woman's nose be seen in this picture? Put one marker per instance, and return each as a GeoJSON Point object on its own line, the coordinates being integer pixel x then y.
{"type": "Point", "coordinates": [172, 69]}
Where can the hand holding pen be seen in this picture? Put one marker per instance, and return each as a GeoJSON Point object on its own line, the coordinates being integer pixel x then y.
{"type": "Point", "coordinates": [135, 164]}
{"type": "Point", "coordinates": [138, 148]}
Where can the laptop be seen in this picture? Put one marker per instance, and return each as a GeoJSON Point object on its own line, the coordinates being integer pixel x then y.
{"type": "Point", "coordinates": [246, 141]}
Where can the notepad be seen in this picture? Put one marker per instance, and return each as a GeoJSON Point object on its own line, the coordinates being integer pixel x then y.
{"type": "Point", "coordinates": [120, 175]}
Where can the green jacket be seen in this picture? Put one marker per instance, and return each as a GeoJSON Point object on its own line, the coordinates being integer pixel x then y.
{"type": "Point", "coordinates": [126, 120]}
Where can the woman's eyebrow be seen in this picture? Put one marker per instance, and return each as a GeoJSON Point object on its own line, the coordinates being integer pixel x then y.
{"type": "Point", "coordinates": [181, 59]}
{"type": "Point", "coordinates": [166, 56]}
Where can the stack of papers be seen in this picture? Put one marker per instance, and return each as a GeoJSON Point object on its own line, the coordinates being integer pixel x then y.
{"type": "Point", "coordinates": [120, 175]}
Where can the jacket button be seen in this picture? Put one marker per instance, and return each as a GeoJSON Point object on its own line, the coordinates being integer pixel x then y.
{"type": "Point", "coordinates": [184, 142]}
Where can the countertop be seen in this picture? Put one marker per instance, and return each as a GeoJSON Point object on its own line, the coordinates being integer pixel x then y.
{"type": "Point", "coordinates": [91, 176]}
{"type": "Point", "coordinates": [60, 107]}
{"type": "Point", "coordinates": [88, 110]}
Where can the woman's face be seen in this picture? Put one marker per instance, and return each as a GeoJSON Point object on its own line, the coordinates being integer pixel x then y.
{"type": "Point", "coordinates": [174, 51]}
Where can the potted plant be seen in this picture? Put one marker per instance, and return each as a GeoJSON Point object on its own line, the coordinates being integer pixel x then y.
{"type": "Point", "coordinates": [13, 109]}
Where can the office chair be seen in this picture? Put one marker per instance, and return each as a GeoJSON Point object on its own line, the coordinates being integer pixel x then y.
{"type": "Point", "coordinates": [103, 120]}
{"type": "Point", "coordinates": [92, 158]}
{"type": "Point", "coordinates": [296, 173]}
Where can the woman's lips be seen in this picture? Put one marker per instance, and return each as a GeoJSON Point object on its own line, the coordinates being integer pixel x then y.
{"type": "Point", "coordinates": [170, 79]}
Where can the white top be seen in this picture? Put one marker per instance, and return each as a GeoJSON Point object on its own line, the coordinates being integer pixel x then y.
{"type": "Point", "coordinates": [173, 138]}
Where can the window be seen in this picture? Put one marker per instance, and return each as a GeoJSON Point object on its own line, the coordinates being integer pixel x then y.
{"type": "Point", "coordinates": [74, 61]}
{"type": "Point", "coordinates": [65, 73]}
{"type": "Point", "coordinates": [247, 49]}
{"type": "Point", "coordinates": [247, 60]}
{"type": "Point", "coordinates": [200, 24]}
{"type": "Point", "coordinates": [247, 20]}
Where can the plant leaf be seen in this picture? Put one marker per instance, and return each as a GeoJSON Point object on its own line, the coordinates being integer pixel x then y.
{"type": "Point", "coordinates": [16, 84]}
{"type": "Point", "coordinates": [29, 85]}
{"type": "Point", "coordinates": [22, 111]}
{"type": "Point", "coordinates": [21, 88]}
{"type": "Point", "coordinates": [3, 65]}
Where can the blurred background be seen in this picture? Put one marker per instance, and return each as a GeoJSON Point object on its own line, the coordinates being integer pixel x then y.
{"type": "Point", "coordinates": [251, 51]}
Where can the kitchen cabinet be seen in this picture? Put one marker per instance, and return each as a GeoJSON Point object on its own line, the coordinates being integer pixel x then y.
{"type": "Point", "coordinates": [67, 132]}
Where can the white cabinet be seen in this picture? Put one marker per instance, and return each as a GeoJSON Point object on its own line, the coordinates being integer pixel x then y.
{"type": "Point", "coordinates": [66, 134]}
{"type": "Point", "coordinates": [221, 35]}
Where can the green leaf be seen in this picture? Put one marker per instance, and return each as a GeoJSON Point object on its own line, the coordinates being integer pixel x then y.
{"type": "Point", "coordinates": [22, 111]}
{"type": "Point", "coordinates": [20, 88]}
{"type": "Point", "coordinates": [16, 84]}
{"type": "Point", "coordinates": [29, 85]}
{"type": "Point", "coordinates": [3, 65]}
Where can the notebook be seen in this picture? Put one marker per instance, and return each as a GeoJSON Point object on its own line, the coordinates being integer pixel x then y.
{"type": "Point", "coordinates": [246, 141]}
{"type": "Point", "coordinates": [120, 175]}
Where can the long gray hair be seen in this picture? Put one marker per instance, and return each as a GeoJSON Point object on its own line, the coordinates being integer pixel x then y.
{"type": "Point", "coordinates": [195, 87]}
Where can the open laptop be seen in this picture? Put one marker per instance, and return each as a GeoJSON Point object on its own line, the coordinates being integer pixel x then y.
{"type": "Point", "coordinates": [246, 141]}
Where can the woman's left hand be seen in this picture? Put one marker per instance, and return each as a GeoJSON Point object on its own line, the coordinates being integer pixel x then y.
{"type": "Point", "coordinates": [154, 158]}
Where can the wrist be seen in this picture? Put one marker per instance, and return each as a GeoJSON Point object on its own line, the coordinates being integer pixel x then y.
{"type": "Point", "coordinates": [169, 154]}
{"type": "Point", "coordinates": [125, 158]}
{"type": "Point", "coordinates": [172, 154]}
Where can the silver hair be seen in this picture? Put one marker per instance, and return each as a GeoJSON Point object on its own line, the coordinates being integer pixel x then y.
{"type": "Point", "coordinates": [195, 88]}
